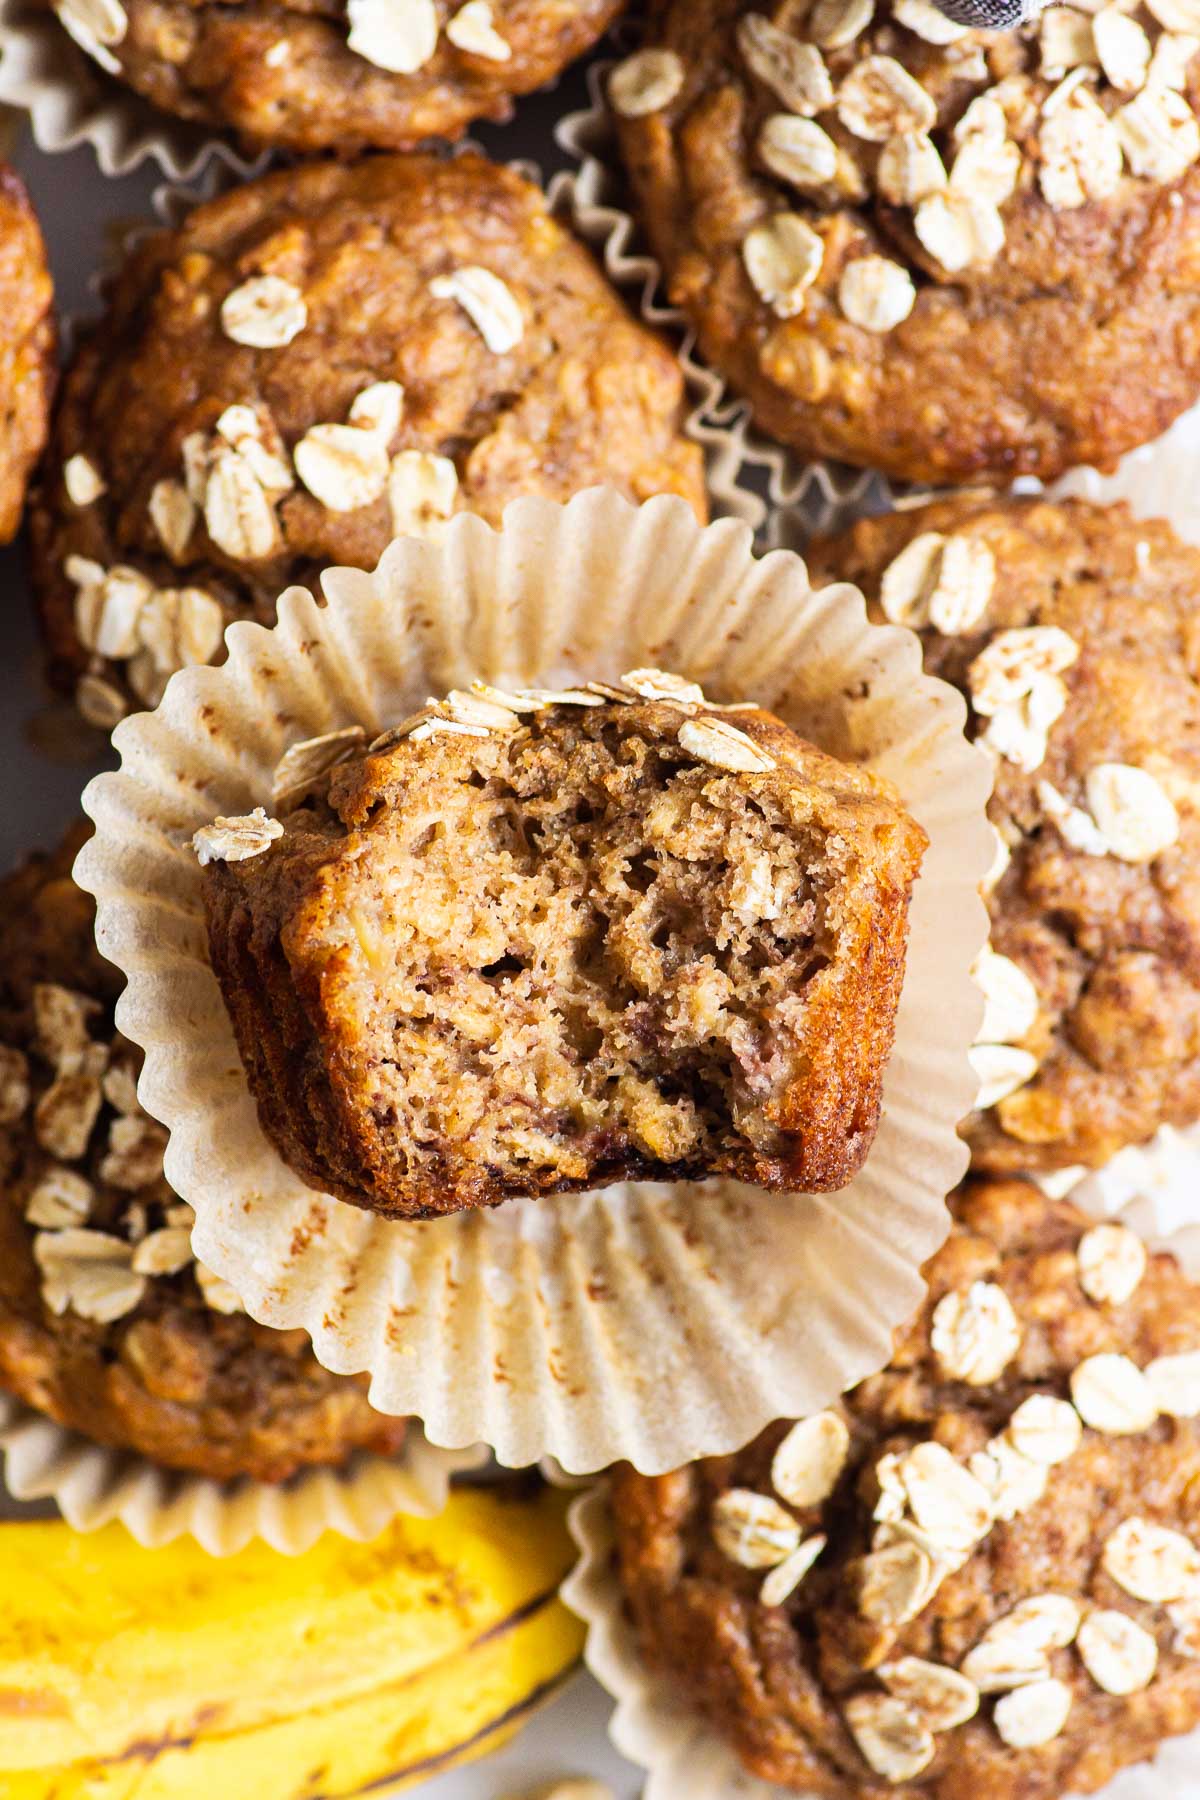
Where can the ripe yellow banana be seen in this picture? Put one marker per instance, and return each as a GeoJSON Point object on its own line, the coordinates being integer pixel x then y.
{"type": "Point", "coordinates": [166, 1675]}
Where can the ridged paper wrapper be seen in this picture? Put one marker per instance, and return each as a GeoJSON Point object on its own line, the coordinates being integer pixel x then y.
{"type": "Point", "coordinates": [648, 1322]}
{"type": "Point", "coordinates": [93, 1485]}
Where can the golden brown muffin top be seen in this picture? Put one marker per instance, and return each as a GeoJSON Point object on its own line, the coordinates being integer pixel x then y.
{"type": "Point", "coordinates": [312, 364]}
{"type": "Point", "coordinates": [107, 1322]}
{"type": "Point", "coordinates": [340, 75]}
{"type": "Point", "coordinates": [979, 1573]}
{"type": "Point", "coordinates": [937, 252]}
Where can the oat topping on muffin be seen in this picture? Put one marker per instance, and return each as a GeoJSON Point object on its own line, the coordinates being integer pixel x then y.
{"type": "Point", "coordinates": [370, 348]}
{"type": "Point", "coordinates": [937, 251]}
{"type": "Point", "coordinates": [979, 1554]}
{"type": "Point", "coordinates": [527, 941]}
{"type": "Point", "coordinates": [356, 73]}
{"type": "Point", "coordinates": [1075, 644]}
{"type": "Point", "coordinates": [107, 1322]}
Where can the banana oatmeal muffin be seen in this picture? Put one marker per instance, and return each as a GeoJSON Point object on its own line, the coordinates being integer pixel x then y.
{"type": "Point", "coordinates": [1073, 631]}
{"type": "Point", "coordinates": [310, 365]}
{"type": "Point", "coordinates": [342, 75]}
{"type": "Point", "coordinates": [533, 942]}
{"type": "Point", "coordinates": [27, 343]}
{"type": "Point", "coordinates": [107, 1323]}
{"type": "Point", "coordinates": [937, 252]}
{"type": "Point", "coordinates": [977, 1576]}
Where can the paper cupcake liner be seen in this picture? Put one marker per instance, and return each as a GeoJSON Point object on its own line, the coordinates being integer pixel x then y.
{"type": "Point", "coordinates": [653, 1323]}
{"type": "Point", "coordinates": [93, 1485]}
{"type": "Point", "coordinates": [653, 1725]}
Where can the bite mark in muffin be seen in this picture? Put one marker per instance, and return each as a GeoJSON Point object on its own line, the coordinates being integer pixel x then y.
{"type": "Point", "coordinates": [533, 941]}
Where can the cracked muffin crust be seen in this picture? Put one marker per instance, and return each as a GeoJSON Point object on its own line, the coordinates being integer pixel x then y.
{"type": "Point", "coordinates": [530, 943]}
{"type": "Point", "coordinates": [941, 253]}
{"type": "Point", "coordinates": [27, 343]}
{"type": "Point", "coordinates": [978, 1575]}
{"type": "Point", "coordinates": [336, 74]}
{"type": "Point", "coordinates": [107, 1324]}
{"type": "Point", "coordinates": [1073, 631]}
{"type": "Point", "coordinates": [310, 365]}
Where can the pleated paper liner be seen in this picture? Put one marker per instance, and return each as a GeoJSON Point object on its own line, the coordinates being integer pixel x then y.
{"type": "Point", "coordinates": [653, 1725]}
{"type": "Point", "coordinates": [646, 1321]}
{"type": "Point", "coordinates": [93, 1485]}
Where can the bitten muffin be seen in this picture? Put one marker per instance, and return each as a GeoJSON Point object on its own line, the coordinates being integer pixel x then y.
{"type": "Point", "coordinates": [27, 343]}
{"type": "Point", "coordinates": [107, 1323]}
{"type": "Point", "coordinates": [1073, 632]}
{"type": "Point", "coordinates": [343, 75]}
{"type": "Point", "coordinates": [309, 366]}
{"type": "Point", "coordinates": [937, 252]}
{"type": "Point", "coordinates": [529, 943]}
{"type": "Point", "coordinates": [978, 1575]}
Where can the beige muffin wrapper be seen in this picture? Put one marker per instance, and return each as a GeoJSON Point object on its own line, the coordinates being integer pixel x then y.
{"type": "Point", "coordinates": [683, 1756]}
{"type": "Point", "coordinates": [93, 1485]}
{"type": "Point", "coordinates": [649, 1322]}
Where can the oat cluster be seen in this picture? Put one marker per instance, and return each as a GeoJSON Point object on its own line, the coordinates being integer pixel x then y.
{"type": "Point", "coordinates": [105, 1223]}
{"type": "Point", "coordinates": [400, 36]}
{"type": "Point", "coordinates": [1017, 693]}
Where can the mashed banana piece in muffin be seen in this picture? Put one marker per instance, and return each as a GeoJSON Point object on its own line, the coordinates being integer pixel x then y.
{"type": "Point", "coordinates": [107, 1323]}
{"type": "Point", "coordinates": [975, 1577]}
{"type": "Point", "coordinates": [528, 943]}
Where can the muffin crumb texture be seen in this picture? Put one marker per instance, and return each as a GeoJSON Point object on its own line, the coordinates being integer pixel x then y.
{"type": "Point", "coordinates": [978, 1574]}
{"type": "Point", "coordinates": [530, 942]}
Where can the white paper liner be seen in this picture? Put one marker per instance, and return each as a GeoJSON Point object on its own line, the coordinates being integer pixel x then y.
{"type": "Point", "coordinates": [93, 1485]}
{"type": "Point", "coordinates": [645, 1322]}
{"type": "Point", "coordinates": [653, 1725]}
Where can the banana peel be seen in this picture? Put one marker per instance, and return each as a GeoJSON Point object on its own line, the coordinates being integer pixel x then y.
{"type": "Point", "coordinates": [166, 1675]}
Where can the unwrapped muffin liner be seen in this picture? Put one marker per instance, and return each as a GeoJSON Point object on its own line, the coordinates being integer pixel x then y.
{"type": "Point", "coordinates": [93, 1485]}
{"type": "Point", "coordinates": [650, 1322]}
{"type": "Point", "coordinates": [653, 1723]}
